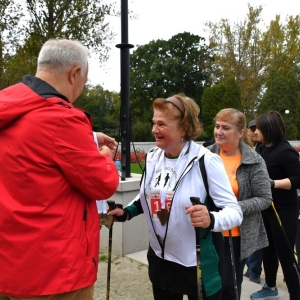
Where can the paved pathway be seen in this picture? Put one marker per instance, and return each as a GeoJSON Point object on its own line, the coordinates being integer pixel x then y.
{"type": "Point", "coordinates": [247, 289]}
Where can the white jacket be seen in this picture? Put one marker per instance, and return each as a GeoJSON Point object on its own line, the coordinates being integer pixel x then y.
{"type": "Point", "coordinates": [179, 233]}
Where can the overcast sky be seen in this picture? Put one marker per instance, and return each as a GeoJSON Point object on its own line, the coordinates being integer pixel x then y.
{"type": "Point", "coordinates": [162, 19]}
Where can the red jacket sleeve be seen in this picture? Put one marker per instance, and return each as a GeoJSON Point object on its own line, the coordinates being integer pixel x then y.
{"type": "Point", "coordinates": [76, 153]}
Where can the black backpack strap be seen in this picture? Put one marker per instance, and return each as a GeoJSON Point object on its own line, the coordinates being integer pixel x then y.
{"type": "Point", "coordinates": [211, 205]}
{"type": "Point", "coordinates": [208, 201]}
{"type": "Point", "coordinates": [203, 173]}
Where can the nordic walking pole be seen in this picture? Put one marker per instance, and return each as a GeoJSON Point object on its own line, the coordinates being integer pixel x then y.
{"type": "Point", "coordinates": [195, 201]}
{"type": "Point", "coordinates": [295, 264]}
{"type": "Point", "coordinates": [111, 205]}
{"type": "Point", "coordinates": [233, 266]}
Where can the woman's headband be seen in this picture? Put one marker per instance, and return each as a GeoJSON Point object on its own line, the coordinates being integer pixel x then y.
{"type": "Point", "coordinates": [177, 104]}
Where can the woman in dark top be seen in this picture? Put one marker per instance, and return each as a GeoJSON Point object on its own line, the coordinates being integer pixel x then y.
{"type": "Point", "coordinates": [283, 166]}
{"type": "Point", "coordinates": [297, 243]}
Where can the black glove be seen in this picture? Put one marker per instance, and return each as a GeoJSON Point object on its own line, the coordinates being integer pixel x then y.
{"type": "Point", "coordinates": [124, 217]}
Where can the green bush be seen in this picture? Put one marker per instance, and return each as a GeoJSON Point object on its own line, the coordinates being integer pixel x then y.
{"type": "Point", "coordinates": [141, 132]}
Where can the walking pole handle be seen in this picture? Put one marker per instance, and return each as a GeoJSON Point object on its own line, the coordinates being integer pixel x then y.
{"type": "Point", "coordinates": [195, 200]}
{"type": "Point", "coordinates": [111, 204]}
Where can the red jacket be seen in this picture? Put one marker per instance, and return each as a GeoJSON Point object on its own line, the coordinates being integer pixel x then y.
{"type": "Point", "coordinates": [51, 173]}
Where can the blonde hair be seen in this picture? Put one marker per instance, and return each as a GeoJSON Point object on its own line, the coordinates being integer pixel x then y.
{"type": "Point", "coordinates": [236, 117]}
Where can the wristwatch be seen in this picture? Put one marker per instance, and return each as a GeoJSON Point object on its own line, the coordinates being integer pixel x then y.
{"type": "Point", "coordinates": [272, 182]}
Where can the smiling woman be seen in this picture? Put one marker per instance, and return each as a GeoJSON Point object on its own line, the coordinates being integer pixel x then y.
{"type": "Point", "coordinates": [170, 180]}
{"type": "Point", "coordinates": [165, 129]}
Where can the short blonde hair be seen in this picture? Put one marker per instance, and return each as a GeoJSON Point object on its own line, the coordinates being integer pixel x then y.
{"type": "Point", "coordinates": [236, 117]}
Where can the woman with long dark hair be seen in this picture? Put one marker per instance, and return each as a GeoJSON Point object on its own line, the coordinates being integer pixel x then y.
{"type": "Point", "coordinates": [283, 165]}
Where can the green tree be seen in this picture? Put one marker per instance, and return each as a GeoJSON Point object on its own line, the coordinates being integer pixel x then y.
{"type": "Point", "coordinates": [211, 100]}
{"type": "Point", "coordinates": [282, 42]}
{"type": "Point", "coordinates": [281, 95]}
{"type": "Point", "coordinates": [162, 68]}
{"type": "Point", "coordinates": [141, 132]}
{"type": "Point", "coordinates": [217, 97]}
{"type": "Point", "coordinates": [104, 106]}
{"type": "Point", "coordinates": [22, 63]}
{"type": "Point", "coordinates": [10, 34]}
{"type": "Point", "coordinates": [249, 53]}
{"type": "Point", "coordinates": [83, 20]}
{"type": "Point", "coordinates": [239, 54]}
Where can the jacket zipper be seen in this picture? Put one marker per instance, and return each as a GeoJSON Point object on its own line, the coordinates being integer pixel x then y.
{"type": "Point", "coordinates": [85, 217]}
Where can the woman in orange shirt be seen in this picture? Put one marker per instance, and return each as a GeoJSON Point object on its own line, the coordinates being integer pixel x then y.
{"type": "Point", "coordinates": [250, 183]}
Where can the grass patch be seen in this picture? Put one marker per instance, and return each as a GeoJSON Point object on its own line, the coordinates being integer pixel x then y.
{"type": "Point", "coordinates": [136, 168]}
{"type": "Point", "coordinates": [102, 257]}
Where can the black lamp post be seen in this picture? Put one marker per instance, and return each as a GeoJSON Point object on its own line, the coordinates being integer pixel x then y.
{"type": "Point", "coordinates": [287, 122]}
{"type": "Point", "coordinates": [125, 92]}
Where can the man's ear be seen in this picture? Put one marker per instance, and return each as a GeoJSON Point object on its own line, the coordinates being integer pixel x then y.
{"type": "Point", "coordinates": [73, 73]}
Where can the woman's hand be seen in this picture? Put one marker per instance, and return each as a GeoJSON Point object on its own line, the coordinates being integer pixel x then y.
{"type": "Point", "coordinates": [116, 212]}
{"type": "Point", "coordinates": [119, 214]}
{"type": "Point", "coordinates": [199, 215]}
{"type": "Point", "coordinates": [284, 184]}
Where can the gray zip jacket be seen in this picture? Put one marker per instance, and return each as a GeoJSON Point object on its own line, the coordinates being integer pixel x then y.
{"type": "Point", "coordinates": [254, 196]}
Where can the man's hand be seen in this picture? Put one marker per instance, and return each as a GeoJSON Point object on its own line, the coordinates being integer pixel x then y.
{"type": "Point", "coordinates": [106, 150]}
{"type": "Point", "coordinates": [105, 140]}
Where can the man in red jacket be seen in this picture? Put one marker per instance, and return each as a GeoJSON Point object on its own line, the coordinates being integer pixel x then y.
{"type": "Point", "coordinates": [51, 175]}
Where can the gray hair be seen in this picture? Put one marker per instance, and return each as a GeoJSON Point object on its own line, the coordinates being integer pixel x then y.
{"type": "Point", "coordinates": [59, 55]}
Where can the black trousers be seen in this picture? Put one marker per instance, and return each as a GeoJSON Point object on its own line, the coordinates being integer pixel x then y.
{"type": "Point", "coordinates": [228, 278]}
{"type": "Point", "coordinates": [279, 249]}
{"type": "Point", "coordinates": [180, 280]}
{"type": "Point", "coordinates": [297, 244]}
{"type": "Point", "coordinates": [160, 294]}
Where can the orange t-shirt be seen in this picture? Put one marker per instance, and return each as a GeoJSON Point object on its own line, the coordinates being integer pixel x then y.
{"type": "Point", "coordinates": [231, 164]}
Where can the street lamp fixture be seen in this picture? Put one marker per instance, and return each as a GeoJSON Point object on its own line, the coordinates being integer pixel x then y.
{"type": "Point", "coordinates": [287, 122]}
